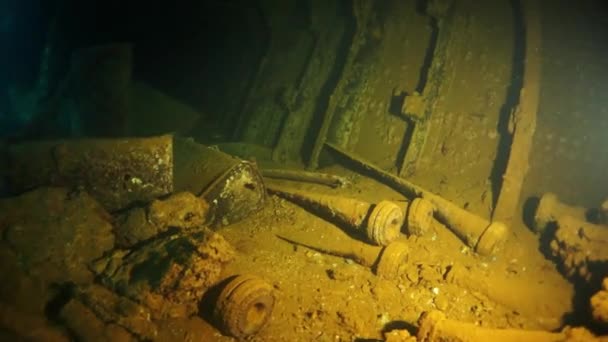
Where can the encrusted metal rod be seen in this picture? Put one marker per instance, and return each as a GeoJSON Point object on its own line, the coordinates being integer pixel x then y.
{"type": "Point", "coordinates": [306, 176]}
{"type": "Point", "coordinates": [485, 237]}
{"type": "Point", "coordinates": [523, 120]}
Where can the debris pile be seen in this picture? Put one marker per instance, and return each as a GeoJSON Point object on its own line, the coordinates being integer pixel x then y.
{"type": "Point", "coordinates": [581, 247]}
{"type": "Point", "coordinates": [108, 247]}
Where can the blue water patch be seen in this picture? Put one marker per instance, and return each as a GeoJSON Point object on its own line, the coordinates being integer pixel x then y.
{"type": "Point", "coordinates": [9, 126]}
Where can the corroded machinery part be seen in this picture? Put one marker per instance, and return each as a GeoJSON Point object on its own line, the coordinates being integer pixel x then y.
{"type": "Point", "coordinates": [244, 306]}
{"type": "Point", "coordinates": [434, 326]}
{"type": "Point", "coordinates": [420, 217]}
{"type": "Point", "coordinates": [384, 223]}
{"type": "Point", "coordinates": [550, 209]}
{"type": "Point", "coordinates": [391, 258]}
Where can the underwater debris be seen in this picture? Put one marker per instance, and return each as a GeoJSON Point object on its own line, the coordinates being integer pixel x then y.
{"type": "Point", "coordinates": [487, 238]}
{"type": "Point", "coordinates": [170, 274]}
{"type": "Point", "coordinates": [435, 326]}
{"type": "Point", "coordinates": [121, 173]}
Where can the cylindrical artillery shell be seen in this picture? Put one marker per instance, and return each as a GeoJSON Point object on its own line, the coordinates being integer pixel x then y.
{"type": "Point", "coordinates": [384, 220]}
{"type": "Point", "coordinates": [244, 306]}
{"type": "Point", "coordinates": [385, 261]}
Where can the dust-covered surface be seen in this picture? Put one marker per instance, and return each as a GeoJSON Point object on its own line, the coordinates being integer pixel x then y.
{"type": "Point", "coordinates": [350, 73]}
{"type": "Point", "coordinates": [159, 282]}
{"type": "Point", "coordinates": [331, 298]}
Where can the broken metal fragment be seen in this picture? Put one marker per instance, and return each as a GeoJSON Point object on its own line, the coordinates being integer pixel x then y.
{"type": "Point", "coordinates": [244, 306]}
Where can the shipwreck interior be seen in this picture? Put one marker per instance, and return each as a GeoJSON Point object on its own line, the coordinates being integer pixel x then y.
{"type": "Point", "coordinates": [304, 170]}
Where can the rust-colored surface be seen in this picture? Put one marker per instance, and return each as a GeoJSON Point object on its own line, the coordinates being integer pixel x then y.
{"type": "Point", "coordinates": [232, 187]}
{"type": "Point", "coordinates": [522, 123]}
{"type": "Point", "coordinates": [116, 172]}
